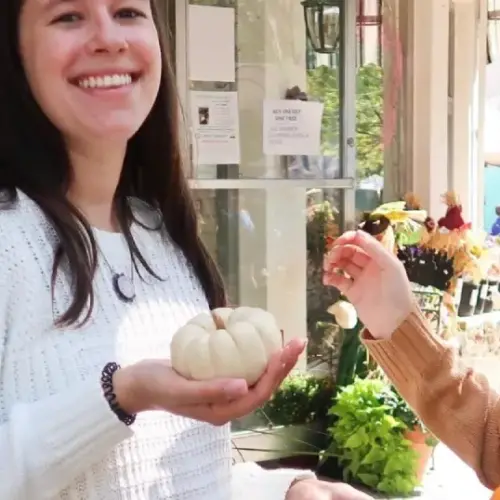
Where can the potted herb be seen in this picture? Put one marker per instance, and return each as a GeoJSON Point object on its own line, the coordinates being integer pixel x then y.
{"type": "Point", "coordinates": [370, 438]}
{"type": "Point", "coordinates": [292, 424]}
{"type": "Point", "coordinates": [302, 399]}
{"type": "Point", "coordinates": [422, 441]}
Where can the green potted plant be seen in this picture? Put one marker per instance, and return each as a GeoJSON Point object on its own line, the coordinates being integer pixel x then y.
{"type": "Point", "coordinates": [292, 424]}
{"type": "Point", "coordinates": [422, 441]}
{"type": "Point", "coordinates": [370, 437]}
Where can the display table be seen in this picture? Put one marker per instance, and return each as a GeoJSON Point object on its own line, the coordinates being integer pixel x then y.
{"type": "Point", "coordinates": [479, 344]}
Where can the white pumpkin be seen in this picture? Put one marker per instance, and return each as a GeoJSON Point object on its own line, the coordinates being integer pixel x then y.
{"type": "Point", "coordinates": [232, 343]}
{"type": "Point", "coordinates": [345, 314]}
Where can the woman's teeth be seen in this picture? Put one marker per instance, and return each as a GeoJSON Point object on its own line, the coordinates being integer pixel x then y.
{"type": "Point", "coordinates": [102, 82]}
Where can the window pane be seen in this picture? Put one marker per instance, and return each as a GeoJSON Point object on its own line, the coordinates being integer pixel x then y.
{"type": "Point", "coordinates": [273, 58]}
{"type": "Point", "coordinates": [369, 106]}
{"type": "Point", "coordinates": [383, 128]}
{"type": "Point", "coordinates": [270, 245]}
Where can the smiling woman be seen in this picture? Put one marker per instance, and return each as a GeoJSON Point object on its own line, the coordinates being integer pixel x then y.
{"type": "Point", "coordinates": [100, 263]}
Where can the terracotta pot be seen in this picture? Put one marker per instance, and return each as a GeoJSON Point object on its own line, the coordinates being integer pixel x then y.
{"type": "Point", "coordinates": [418, 440]}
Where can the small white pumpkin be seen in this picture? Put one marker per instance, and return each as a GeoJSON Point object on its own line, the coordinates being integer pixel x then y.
{"type": "Point", "coordinates": [345, 314]}
{"type": "Point", "coordinates": [232, 343]}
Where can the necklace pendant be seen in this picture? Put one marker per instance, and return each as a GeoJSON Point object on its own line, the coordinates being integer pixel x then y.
{"type": "Point", "coordinates": [124, 288]}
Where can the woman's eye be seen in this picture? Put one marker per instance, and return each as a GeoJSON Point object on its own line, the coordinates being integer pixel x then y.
{"type": "Point", "coordinates": [70, 17]}
{"type": "Point", "coordinates": [129, 14]}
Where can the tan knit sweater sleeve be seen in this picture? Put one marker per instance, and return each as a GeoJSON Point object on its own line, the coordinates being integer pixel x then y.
{"type": "Point", "coordinates": [455, 403]}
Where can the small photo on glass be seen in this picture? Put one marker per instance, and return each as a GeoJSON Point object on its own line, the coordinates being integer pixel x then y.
{"type": "Point", "coordinates": [203, 115]}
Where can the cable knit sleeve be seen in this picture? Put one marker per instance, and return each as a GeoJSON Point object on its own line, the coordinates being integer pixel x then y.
{"type": "Point", "coordinates": [455, 403]}
{"type": "Point", "coordinates": [46, 444]}
{"type": "Point", "coordinates": [250, 481]}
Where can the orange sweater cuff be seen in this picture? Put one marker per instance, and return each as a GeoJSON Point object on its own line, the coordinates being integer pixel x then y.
{"type": "Point", "coordinates": [412, 349]}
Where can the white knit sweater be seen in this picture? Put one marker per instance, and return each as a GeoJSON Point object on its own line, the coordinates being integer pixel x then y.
{"type": "Point", "coordinates": [58, 437]}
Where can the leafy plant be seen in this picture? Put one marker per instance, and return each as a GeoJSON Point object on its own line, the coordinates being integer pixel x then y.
{"type": "Point", "coordinates": [320, 230]}
{"type": "Point", "coordinates": [403, 412]}
{"type": "Point", "coordinates": [301, 399]}
{"type": "Point", "coordinates": [368, 438]}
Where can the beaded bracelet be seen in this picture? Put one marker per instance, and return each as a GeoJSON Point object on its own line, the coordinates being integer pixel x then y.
{"type": "Point", "coordinates": [109, 393]}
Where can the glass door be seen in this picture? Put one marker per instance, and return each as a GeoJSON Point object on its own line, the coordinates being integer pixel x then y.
{"type": "Point", "coordinates": [236, 60]}
{"type": "Point", "coordinates": [255, 206]}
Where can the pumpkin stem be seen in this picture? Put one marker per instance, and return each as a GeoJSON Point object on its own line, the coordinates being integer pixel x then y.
{"type": "Point", "coordinates": [219, 322]}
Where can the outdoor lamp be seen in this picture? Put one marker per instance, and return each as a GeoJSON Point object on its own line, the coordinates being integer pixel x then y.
{"type": "Point", "coordinates": [493, 30]}
{"type": "Point", "coordinates": [322, 18]}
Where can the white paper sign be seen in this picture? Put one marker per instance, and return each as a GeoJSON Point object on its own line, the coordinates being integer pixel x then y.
{"type": "Point", "coordinates": [211, 42]}
{"type": "Point", "coordinates": [215, 125]}
{"type": "Point", "coordinates": [292, 127]}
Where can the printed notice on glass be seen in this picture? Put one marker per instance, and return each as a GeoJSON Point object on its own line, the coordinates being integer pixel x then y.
{"type": "Point", "coordinates": [292, 127]}
{"type": "Point", "coordinates": [215, 126]}
{"type": "Point", "coordinates": [211, 39]}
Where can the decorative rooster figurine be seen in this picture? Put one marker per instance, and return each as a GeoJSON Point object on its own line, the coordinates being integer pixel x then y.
{"type": "Point", "coordinates": [393, 224]}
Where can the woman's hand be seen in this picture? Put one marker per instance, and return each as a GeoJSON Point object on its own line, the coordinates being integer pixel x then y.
{"type": "Point", "coordinates": [376, 284]}
{"type": "Point", "coordinates": [153, 385]}
{"type": "Point", "coordinates": [312, 489]}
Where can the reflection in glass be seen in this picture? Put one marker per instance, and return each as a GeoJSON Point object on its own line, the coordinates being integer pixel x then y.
{"type": "Point", "coordinates": [322, 227]}
{"type": "Point", "coordinates": [371, 124]}
{"type": "Point", "coordinates": [269, 245]}
{"type": "Point", "coordinates": [274, 55]}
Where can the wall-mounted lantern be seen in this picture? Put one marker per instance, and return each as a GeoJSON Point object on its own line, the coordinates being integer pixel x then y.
{"type": "Point", "coordinates": [323, 24]}
{"type": "Point", "coordinates": [493, 30]}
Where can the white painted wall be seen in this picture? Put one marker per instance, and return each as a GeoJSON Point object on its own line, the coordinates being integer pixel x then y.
{"type": "Point", "coordinates": [445, 62]}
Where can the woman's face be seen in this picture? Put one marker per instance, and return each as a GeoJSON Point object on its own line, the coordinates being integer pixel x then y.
{"type": "Point", "coordinates": [94, 66]}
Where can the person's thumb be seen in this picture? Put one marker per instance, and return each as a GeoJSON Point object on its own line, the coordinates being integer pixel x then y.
{"type": "Point", "coordinates": [192, 392]}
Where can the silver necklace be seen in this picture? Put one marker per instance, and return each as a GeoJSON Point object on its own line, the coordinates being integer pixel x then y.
{"type": "Point", "coordinates": [123, 286]}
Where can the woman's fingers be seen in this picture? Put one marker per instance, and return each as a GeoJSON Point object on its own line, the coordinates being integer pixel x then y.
{"type": "Point", "coordinates": [292, 351]}
{"type": "Point", "coordinates": [353, 270]}
{"type": "Point", "coordinates": [339, 281]}
{"type": "Point", "coordinates": [348, 258]}
{"type": "Point", "coordinates": [374, 249]}
{"type": "Point", "coordinates": [349, 252]}
{"type": "Point", "coordinates": [279, 367]}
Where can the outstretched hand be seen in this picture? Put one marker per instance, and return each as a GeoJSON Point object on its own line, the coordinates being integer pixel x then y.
{"type": "Point", "coordinates": [277, 370]}
{"type": "Point", "coordinates": [373, 280]}
{"type": "Point", "coordinates": [154, 385]}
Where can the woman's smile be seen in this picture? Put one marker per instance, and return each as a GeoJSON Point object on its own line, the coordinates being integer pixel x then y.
{"type": "Point", "coordinates": [108, 83]}
{"type": "Point", "coordinates": [105, 81]}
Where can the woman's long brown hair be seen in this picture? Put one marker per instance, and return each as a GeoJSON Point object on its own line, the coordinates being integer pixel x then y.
{"type": "Point", "coordinates": [34, 159]}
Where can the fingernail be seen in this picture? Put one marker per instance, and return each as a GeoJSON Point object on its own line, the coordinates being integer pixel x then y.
{"type": "Point", "coordinates": [235, 388]}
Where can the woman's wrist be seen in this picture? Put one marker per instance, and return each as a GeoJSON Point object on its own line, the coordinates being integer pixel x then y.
{"type": "Point", "coordinates": [126, 387]}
